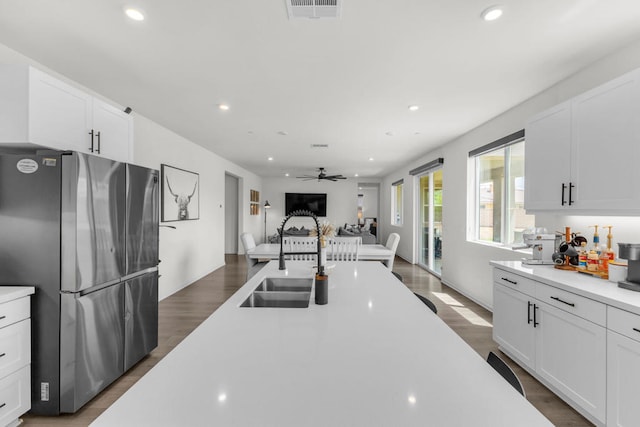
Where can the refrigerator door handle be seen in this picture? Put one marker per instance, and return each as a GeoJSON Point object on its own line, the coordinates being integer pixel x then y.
{"type": "Point", "coordinates": [139, 273]}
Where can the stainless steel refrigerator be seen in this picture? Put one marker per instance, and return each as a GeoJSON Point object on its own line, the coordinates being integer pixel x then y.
{"type": "Point", "coordinates": [84, 231]}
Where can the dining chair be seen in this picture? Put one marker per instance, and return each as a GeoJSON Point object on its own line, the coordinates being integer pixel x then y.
{"type": "Point", "coordinates": [302, 244]}
{"type": "Point", "coordinates": [253, 265]}
{"type": "Point", "coordinates": [427, 302]}
{"type": "Point", "coordinates": [392, 244]}
{"type": "Point", "coordinates": [345, 248]}
{"type": "Point", "coordinates": [507, 373]}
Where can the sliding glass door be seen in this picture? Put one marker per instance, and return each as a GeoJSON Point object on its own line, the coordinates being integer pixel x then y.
{"type": "Point", "coordinates": [430, 221]}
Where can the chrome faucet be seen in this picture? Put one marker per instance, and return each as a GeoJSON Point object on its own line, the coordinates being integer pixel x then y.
{"type": "Point", "coordinates": [281, 232]}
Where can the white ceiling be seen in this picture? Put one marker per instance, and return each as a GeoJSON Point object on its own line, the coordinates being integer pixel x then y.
{"type": "Point", "coordinates": [344, 82]}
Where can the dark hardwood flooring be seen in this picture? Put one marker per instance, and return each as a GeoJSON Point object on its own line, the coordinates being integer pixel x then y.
{"type": "Point", "coordinates": [182, 312]}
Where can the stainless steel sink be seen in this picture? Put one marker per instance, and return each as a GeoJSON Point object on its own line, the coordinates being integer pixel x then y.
{"type": "Point", "coordinates": [285, 284]}
{"type": "Point", "coordinates": [278, 299]}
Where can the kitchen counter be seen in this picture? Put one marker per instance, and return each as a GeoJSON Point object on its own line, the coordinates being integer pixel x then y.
{"type": "Point", "coordinates": [375, 355]}
{"type": "Point", "coordinates": [10, 293]}
{"type": "Point", "coordinates": [579, 283]}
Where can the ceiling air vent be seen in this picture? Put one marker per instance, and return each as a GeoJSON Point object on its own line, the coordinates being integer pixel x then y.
{"type": "Point", "coordinates": [314, 9]}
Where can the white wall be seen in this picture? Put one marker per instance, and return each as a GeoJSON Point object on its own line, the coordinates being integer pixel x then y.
{"type": "Point", "coordinates": [465, 264]}
{"type": "Point", "coordinates": [195, 248]}
{"type": "Point", "coordinates": [342, 200]}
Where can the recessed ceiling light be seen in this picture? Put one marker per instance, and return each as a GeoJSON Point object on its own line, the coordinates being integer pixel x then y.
{"type": "Point", "coordinates": [414, 107]}
{"type": "Point", "coordinates": [355, 174]}
{"type": "Point", "coordinates": [135, 14]}
{"type": "Point", "coordinates": [286, 174]}
{"type": "Point", "coordinates": [270, 159]}
{"type": "Point", "coordinates": [492, 13]}
{"type": "Point", "coordinates": [223, 107]}
{"type": "Point", "coordinates": [371, 159]}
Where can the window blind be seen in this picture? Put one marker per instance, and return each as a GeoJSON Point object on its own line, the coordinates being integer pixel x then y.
{"type": "Point", "coordinates": [499, 143]}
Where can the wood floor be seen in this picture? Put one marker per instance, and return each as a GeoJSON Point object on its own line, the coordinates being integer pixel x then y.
{"type": "Point", "coordinates": [182, 312]}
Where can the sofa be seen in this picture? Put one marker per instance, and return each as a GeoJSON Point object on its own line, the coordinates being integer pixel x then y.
{"type": "Point", "coordinates": [355, 231]}
{"type": "Point", "coordinates": [346, 231]}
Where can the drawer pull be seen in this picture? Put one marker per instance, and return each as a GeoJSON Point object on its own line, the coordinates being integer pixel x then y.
{"type": "Point", "coordinates": [510, 281]}
{"type": "Point", "coordinates": [3, 317]}
{"type": "Point", "coordinates": [636, 329]}
{"type": "Point", "coordinates": [3, 405]}
{"type": "Point", "coordinates": [3, 354]}
{"type": "Point", "coordinates": [564, 302]}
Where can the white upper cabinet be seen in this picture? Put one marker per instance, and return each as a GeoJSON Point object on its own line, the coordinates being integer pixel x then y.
{"type": "Point", "coordinates": [36, 108]}
{"type": "Point", "coordinates": [548, 159]}
{"type": "Point", "coordinates": [112, 131]}
{"type": "Point", "coordinates": [582, 155]}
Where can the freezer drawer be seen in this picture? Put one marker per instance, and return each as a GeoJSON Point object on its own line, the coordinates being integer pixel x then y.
{"type": "Point", "coordinates": [91, 344]}
{"type": "Point", "coordinates": [141, 317]}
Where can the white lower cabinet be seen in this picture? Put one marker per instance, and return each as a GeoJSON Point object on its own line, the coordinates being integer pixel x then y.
{"type": "Point", "coordinates": [15, 354]}
{"type": "Point", "coordinates": [512, 327]}
{"type": "Point", "coordinates": [571, 356]}
{"type": "Point", "coordinates": [562, 343]}
{"type": "Point", "coordinates": [623, 368]}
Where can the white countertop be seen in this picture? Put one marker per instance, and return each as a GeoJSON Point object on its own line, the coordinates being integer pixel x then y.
{"type": "Point", "coordinates": [10, 293]}
{"type": "Point", "coordinates": [374, 356]}
{"type": "Point", "coordinates": [582, 284]}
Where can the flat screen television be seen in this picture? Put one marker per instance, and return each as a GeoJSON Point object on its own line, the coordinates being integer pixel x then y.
{"type": "Point", "coordinates": [314, 202]}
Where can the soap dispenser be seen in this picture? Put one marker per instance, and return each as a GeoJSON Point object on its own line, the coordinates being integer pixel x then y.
{"type": "Point", "coordinates": [596, 240]}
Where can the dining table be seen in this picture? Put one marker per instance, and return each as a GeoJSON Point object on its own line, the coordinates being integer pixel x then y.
{"type": "Point", "coordinates": [377, 252]}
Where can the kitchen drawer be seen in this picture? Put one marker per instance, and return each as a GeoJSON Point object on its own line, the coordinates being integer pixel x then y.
{"type": "Point", "coordinates": [586, 308]}
{"type": "Point", "coordinates": [15, 395]}
{"type": "Point", "coordinates": [14, 311]}
{"type": "Point", "coordinates": [513, 281]}
{"type": "Point", "coordinates": [623, 322]}
{"type": "Point", "coordinates": [15, 347]}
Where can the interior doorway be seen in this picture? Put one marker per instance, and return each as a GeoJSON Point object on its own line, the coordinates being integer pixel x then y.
{"type": "Point", "coordinates": [368, 207]}
{"type": "Point", "coordinates": [430, 221]}
{"type": "Point", "coordinates": [231, 209]}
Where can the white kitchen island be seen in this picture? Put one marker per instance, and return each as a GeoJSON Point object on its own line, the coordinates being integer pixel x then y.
{"type": "Point", "coordinates": [374, 356]}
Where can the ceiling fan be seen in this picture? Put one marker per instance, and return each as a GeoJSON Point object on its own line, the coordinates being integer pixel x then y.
{"type": "Point", "coordinates": [322, 175]}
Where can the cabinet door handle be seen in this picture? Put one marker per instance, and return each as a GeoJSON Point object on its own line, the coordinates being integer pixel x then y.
{"type": "Point", "coordinates": [564, 187]}
{"type": "Point", "coordinates": [98, 138]}
{"type": "Point", "coordinates": [91, 148]}
{"type": "Point", "coordinates": [636, 329]}
{"type": "Point", "coordinates": [3, 354]}
{"type": "Point", "coordinates": [529, 312]}
{"type": "Point", "coordinates": [3, 405]}
{"type": "Point", "coordinates": [571, 186]}
{"type": "Point", "coordinates": [510, 281]}
{"type": "Point", "coordinates": [3, 317]}
{"type": "Point", "coordinates": [563, 301]}
{"type": "Point", "coordinates": [535, 317]}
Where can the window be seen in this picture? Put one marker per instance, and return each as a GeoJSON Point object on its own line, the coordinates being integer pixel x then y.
{"type": "Point", "coordinates": [499, 192]}
{"type": "Point", "coordinates": [396, 202]}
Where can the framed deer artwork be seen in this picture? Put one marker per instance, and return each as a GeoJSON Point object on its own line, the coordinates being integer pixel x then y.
{"type": "Point", "coordinates": [180, 194]}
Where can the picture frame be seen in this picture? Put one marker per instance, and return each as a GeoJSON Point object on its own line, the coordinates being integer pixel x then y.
{"type": "Point", "coordinates": [180, 194]}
